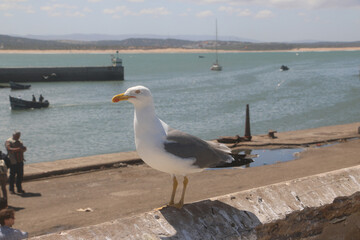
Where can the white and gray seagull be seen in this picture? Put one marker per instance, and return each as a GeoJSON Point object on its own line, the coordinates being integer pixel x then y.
{"type": "Point", "coordinates": [167, 149]}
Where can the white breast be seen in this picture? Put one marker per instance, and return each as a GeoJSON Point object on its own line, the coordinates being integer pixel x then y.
{"type": "Point", "coordinates": [150, 134]}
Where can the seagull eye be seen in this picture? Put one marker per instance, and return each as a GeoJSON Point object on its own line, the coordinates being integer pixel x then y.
{"type": "Point", "coordinates": [137, 91]}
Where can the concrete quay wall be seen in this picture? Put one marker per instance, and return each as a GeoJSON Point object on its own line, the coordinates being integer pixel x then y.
{"type": "Point", "coordinates": [56, 74]}
{"type": "Point", "coordinates": [232, 216]}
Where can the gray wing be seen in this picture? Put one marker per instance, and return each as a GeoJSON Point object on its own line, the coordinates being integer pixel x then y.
{"type": "Point", "coordinates": [187, 146]}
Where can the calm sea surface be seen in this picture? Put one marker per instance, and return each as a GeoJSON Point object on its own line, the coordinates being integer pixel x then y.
{"type": "Point", "coordinates": [321, 88]}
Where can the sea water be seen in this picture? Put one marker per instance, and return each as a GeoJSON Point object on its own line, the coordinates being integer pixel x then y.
{"type": "Point", "coordinates": [320, 89]}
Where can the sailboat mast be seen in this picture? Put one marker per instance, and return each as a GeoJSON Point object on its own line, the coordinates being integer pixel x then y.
{"type": "Point", "coordinates": [216, 66]}
{"type": "Point", "coordinates": [216, 40]}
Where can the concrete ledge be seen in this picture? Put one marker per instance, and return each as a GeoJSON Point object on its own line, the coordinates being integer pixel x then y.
{"type": "Point", "coordinates": [284, 139]}
{"type": "Point", "coordinates": [229, 216]}
{"type": "Point", "coordinates": [46, 169]}
{"type": "Point", "coordinates": [303, 137]}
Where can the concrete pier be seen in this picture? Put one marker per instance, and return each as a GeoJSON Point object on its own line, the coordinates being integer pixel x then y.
{"type": "Point", "coordinates": [298, 138]}
{"type": "Point", "coordinates": [232, 216]}
{"type": "Point", "coordinates": [56, 74]}
{"type": "Point", "coordinates": [120, 193]}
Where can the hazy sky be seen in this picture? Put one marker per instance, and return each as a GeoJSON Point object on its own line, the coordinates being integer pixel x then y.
{"type": "Point", "coordinates": [263, 20]}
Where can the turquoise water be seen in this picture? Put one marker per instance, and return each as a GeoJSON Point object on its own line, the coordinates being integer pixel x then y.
{"type": "Point", "coordinates": [319, 89]}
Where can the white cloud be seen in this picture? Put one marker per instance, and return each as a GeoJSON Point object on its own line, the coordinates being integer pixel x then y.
{"type": "Point", "coordinates": [290, 4]}
{"type": "Point", "coordinates": [245, 12]}
{"type": "Point", "coordinates": [301, 14]}
{"type": "Point", "coordinates": [123, 10]}
{"type": "Point", "coordinates": [87, 10]}
{"type": "Point", "coordinates": [185, 13]}
{"type": "Point", "coordinates": [57, 10]}
{"type": "Point", "coordinates": [14, 5]}
{"type": "Point", "coordinates": [55, 7]}
{"type": "Point", "coordinates": [207, 13]}
{"type": "Point", "coordinates": [230, 10]}
{"type": "Point", "coordinates": [235, 11]}
{"type": "Point", "coordinates": [76, 14]}
{"type": "Point", "coordinates": [115, 10]}
{"type": "Point", "coordinates": [5, 6]}
{"type": "Point", "coordinates": [213, 1]}
{"type": "Point", "coordinates": [155, 11]}
{"type": "Point", "coordinates": [264, 14]}
{"type": "Point", "coordinates": [314, 4]}
{"type": "Point", "coordinates": [13, 1]}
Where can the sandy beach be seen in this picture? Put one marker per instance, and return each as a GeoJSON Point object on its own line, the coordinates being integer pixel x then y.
{"type": "Point", "coordinates": [166, 50]}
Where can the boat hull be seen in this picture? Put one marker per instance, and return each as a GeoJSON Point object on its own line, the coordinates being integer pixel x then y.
{"type": "Point", "coordinates": [57, 74]}
{"type": "Point", "coordinates": [17, 86]}
{"type": "Point", "coordinates": [216, 67]}
{"type": "Point", "coordinates": [17, 104]}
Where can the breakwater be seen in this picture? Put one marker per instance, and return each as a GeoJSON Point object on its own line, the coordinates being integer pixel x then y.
{"type": "Point", "coordinates": [57, 74]}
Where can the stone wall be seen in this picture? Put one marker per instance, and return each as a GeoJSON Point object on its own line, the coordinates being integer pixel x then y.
{"type": "Point", "coordinates": [289, 210]}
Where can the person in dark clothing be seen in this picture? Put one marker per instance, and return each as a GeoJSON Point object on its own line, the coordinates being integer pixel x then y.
{"type": "Point", "coordinates": [16, 151]}
{"type": "Point", "coordinates": [4, 165]}
{"type": "Point", "coordinates": [41, 98]}
{"type": "Point", "coordinates": [3, 203]}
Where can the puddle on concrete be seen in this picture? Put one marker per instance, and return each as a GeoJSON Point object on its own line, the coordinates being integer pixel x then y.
{"type": "Point", "coordinates": [261, 157]}
{"type": "Point", "coordinates": [272, 156]}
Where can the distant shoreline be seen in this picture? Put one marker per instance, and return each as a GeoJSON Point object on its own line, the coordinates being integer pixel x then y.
{"type": "Point", "coordinates": [171, 50]}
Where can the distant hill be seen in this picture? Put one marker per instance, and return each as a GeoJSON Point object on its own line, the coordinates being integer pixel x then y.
{"type": "Point", "coordinates": [20, 43]}
{"type": "Point", "coordinates": [119, 37]}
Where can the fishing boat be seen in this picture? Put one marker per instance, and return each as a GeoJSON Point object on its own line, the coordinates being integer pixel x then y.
{"type": "Point", "coordinates": [18, 103]}
{"type": "Point", "coordinates": [18, 86]}
{"type": "Point", "coordinates": [284, 68]}
{"type": "Point", "coordinates": [216, 66]}
{"type": "Point", "coordinates": [4, 85]}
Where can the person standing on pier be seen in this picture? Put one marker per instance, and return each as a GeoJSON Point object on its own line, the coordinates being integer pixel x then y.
{"type": "Point", "coordinates": [4, 165]}
{"type": "Point", "coordinates": [16, 151]}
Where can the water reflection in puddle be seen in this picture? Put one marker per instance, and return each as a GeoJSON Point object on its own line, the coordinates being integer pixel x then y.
{"type": "Point", "coordinates": [272, 156]}
{"type": "Point", "coordinates": [262, 157]}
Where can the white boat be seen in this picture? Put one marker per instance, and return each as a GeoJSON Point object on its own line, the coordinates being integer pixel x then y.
{"type": "Point", "coordinates": [216, 66]}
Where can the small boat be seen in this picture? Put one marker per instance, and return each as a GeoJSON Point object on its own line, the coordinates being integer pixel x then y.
{"type": "Point", "coordinates": [18, 103]}
{"type": "Point", "coordinates": [284, 68]}
{"type": "Point", "coordinates": [4, 85]}
{"type": "Point", "coordinates": [18, 86]}
{"type": "Point", "coordinates": [216, 66]}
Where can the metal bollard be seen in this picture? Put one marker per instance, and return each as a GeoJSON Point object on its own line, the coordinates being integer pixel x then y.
{"type": "Point", "coordinates": [247, 135]}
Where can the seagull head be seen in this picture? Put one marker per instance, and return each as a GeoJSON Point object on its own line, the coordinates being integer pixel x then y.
{"type": "Point", "coordinates": [139, 96]}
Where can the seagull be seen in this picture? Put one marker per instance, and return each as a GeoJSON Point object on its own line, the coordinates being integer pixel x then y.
{"type": "Point", "coordinates": [167, 149]}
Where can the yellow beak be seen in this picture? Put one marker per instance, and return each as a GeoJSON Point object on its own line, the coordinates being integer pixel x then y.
{"type": "Point", "coordinates": [120, 97]}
